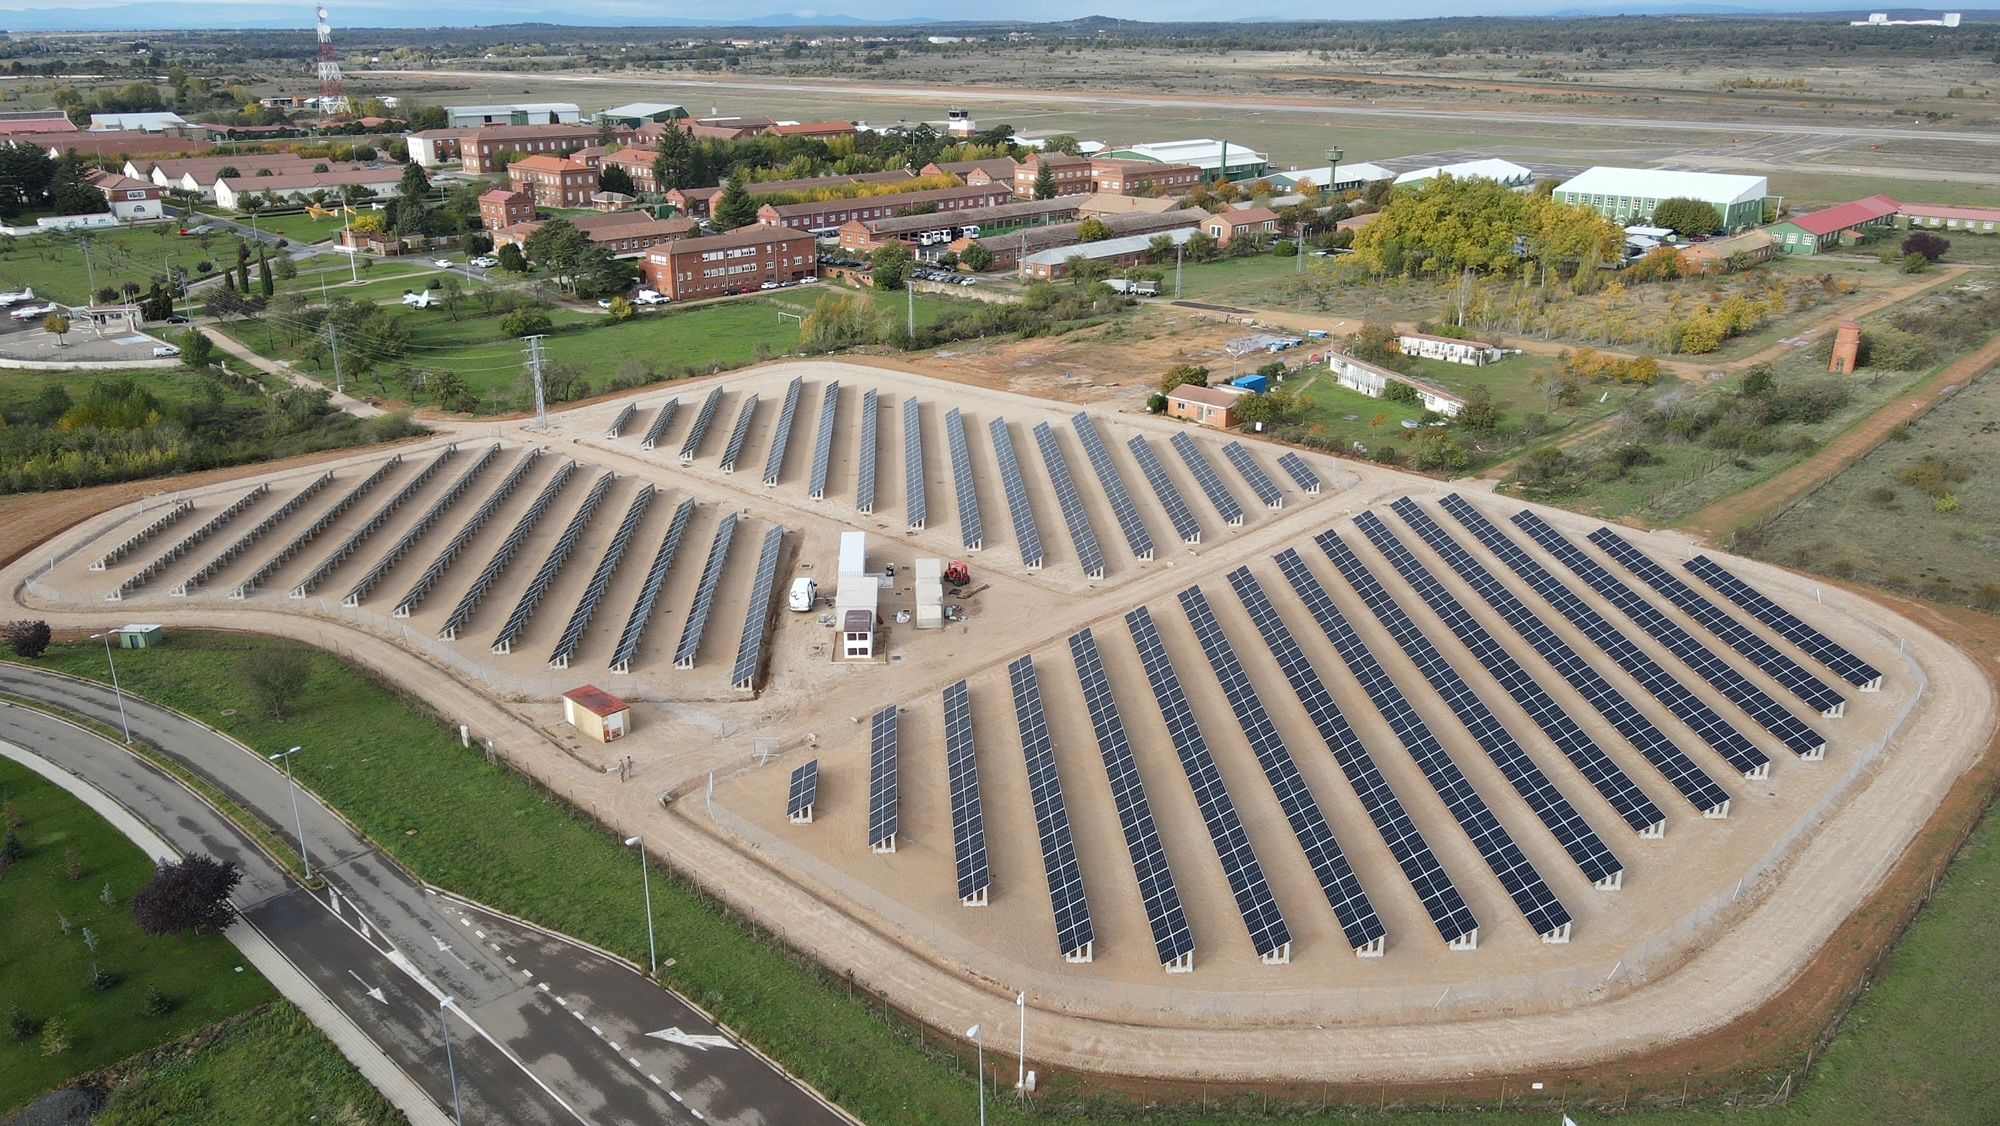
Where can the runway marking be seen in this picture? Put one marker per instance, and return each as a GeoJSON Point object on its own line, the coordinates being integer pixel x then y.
{"type": "Point", "coordinates": [464, 922]}
{"type": "Point", "coordinates": [529, 974]}
{"type": "Point", "coordinates": [480, 933]}
{"type": "Point", "coordinates": [677, 1096]}
{"type": "Point", "coordinates": [694, 1112]}
{"type": "Point", "coordinates": [614, 1046]}
{"type": "Point", "coordinates": [655, 1079]}
{"type": "Point", "coordinates": [510, 959]}
{"type": "Point", "coordinates": [578, 1013]}
{"type": "Point", "coordinates": [599, 1031]}
{"type": "Point", "coordinates": [633, 1062]}
{"type": "Point", "coordinates": [493, 946]}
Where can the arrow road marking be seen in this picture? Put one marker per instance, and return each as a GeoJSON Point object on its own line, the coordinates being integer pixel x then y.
{"type": "Point", "coordinates": [699, 1041]}
{"type": "Point", "coordinates": [373, 991]}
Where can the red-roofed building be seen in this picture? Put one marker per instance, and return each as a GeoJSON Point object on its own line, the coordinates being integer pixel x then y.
{"type": "Point", "coordinates": [554, 181]}
{"type": "Point", "coordinates": [1210, 406]}
{"type": "Point", "coordinates": [127, 198]}
{"type": "Point", "coordinates": [1934, 217]}
{"type": "Point", "coordinates": [597, 713]}
{"type": "Point", "coordinates": [1230, 225]}
{"type": "Point", "coordinates": [736, 262]}
{"type": "Point", "coordinates": [1072, 174]}
{"type": "Point", "coordinates": [502, 208]}
{"type": "Point", "coordinates": [819, 130]}
{"type": "Point", "coordinates": [1824, 230]}
{"type": "Point", "coordinates": [21, 122]}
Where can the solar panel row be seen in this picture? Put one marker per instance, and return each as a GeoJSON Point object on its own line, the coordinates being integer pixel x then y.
{"type": "Point", "coordinates": [373, 524]}
{"type": "Point", "coordinates": [418, 530]}
{"type": "Point", "coordinates": [968, 822]}
{"type": "Point", "coordinates": [617, 426]}
{"type": "Point", "coordinates": [829, 408]}
{"type": "Point", "coordinates": [1088, 554]}
{"type": "Point", "coordinates": [689, 646]}
{"type": "Point", "coordinates": [883, 813]}
{"type": "Point", "coordinates": [703, 418]}
{"type": "Point", "coordinates": [504, 554]}
{"type": "Point", "coordinates": [531, 598]}
{"type": "Point", "coordinates": [1788, 625]}
{"type": "Point", "coordinates": [1225, 502]}
{"type": "Point", "coordinates": [803, 793]}
{"type": "Point", "coordinates": [916, 505]}
{"type": "Point", "coordinates": [1108, 478]}
{"type": "Point", "coordinates": [657, 429]}
{"type": "Point", "coordinates": [1074, 933]}
{"type": "Point", "coordinates": [1596, 860]}
{"type": "Point", "coordinates": [1018, 509]}
{"type": "Point", "coordinates": [1302, 474]}
{"type": "Point", "coordinates": [971, 530]}
{"type": "Point", "coordinates": [319, 524]}
{"type": "Point", "coordinates": [1185, 525]}
{"type": "Point", "coordinates": [649, 591]}
{"type": "Point", "coordinates": [600, 580]}
{"type": "Point", "coordinates": [757, 615]}
{"type": "Point", "coordinates": [487, 508]}
{"type": "Point", "coordinates": [864, 485]}
{"type": "Point", "coordinates": [1260, 482]}
{"type": "Point", "coordinates": [781, 438]}
{"type": "Point", "coordinates": [739, 434]}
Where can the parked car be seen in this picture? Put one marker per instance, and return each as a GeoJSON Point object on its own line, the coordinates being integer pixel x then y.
{"type": "Point", "coordinates": [649, 297]}
{"type": "Point", "coordinates": [768, 285]}
{"type": "Point", "coordinates": [604, 303]}
{"type": "Point", "coordinates": [165, 351]}
{"type": "Point", "coordinates": [486, 261]}
{"type": "Point", "coordinates": [443, 264]}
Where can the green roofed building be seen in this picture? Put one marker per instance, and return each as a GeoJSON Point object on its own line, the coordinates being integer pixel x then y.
{"type": "Point", "coordinates": [1218, 160]}
{"type": "Point", "coordinates": [1630, 195]}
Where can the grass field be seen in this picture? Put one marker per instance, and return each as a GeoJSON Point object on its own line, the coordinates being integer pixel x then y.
{"type": "Point", "coordinates": [1231, 279]}
{"type": "Point", "coordinates": [45, 964]}
{"type": "Point", "coordinates": [393, 770]}
{"type": "Point", "coordinates": [1871, 524]}
{"type": "Point", "coordinates": [269, 1066]}
{"type": "Point", "coordinates": [298, 227]}
{"type": "Point", "coordinates": [169, 385]}
{"type": "Point", "coordinates": [55, 264]}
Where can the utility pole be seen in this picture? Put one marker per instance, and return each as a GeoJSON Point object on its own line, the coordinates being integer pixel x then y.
{"type": "Point", "coordinates": [333, 342]}
{"type": "Point", "coordinates": [89, 266]}
{"type": "Point", "coordinates": [1178, 252]}
{"type": "Point", "coordinates": [535, 369]}
{"type": "Point", "coordinates": [910, 296]}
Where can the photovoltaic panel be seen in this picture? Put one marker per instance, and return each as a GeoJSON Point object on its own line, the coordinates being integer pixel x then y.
{"type": "Point", "coordinates": [657, 428]}
{"type": "Point", "coordinates": [1260, 482]}
{"type": "Point", "coordinates": [781, 438]}
{"type": "Point", "coordinates": [883, 814]}
{"type": "Point", "coordinates": [968, 821]}
{"type": "Point", "coordinates": [138, 539]}
{"type": "Point", "coordinates": [1302, 474]}
{"type": "Point", "coordinates": [703, 419]}
{"type": "Point", "coordinates": [739, 434]}
{"type": "Point", "coordinates": [319, 524]}
{"type": "Point", "coordinates": [829, 407]}
{"type": "Point", "coordinates": [1074, 934]}
{"type": "Point", "coordinates": [1534, 898]}
{"type": "Point", "coordinates": [1769, 714]}
{"type": "Point", "coordinates": [1717, 732]}
{"type": "Point", "coordinates": [1788, 625]}
{"type": "Point", "coordinates": [373, 524]}
{"type": "Point", "coordinates": [864, 485]}
{"type": "Point", "coordinates": [1343, 890]}
{"type": "Point", "coordinates": [757, 616]}
{"type": "Point", "coordinates": [1674, 765]}
{"type": "Point", "coordinates": [649, 591]}
{"type": "Point", "coordinates": [617, 426]}
{"type": "Point", "coordinates": [1440, 897]}
{"type": "Point", "coordinates": [418, 530]}
{"type": "Point", "coordinates": [1019, 510]}
{"type": "Point", "coordinates": [971, 531]}
{"type": "Point", "coordinates": [1172, 939]}
{"type": "Point", "coordinates": [600, 580]}
{"type": "Point", "coordinates": [1607, 776]}
{"type": "Point", "coordinates": [1259, 908]}
{"type": "Point", "coordinates": [486, 511]}
{"type": "Point", "coordinates": [1185, 525]}
{"type": "Point", "coordinates": [1225, 502]}
{"type": "Point", "coordinates": [803, 793]}
{"type": "Point", "coordinates": [1108, 478]}
{"type": "Point", "coordinates": [503, 555]}
{"type": "Point", "coordinates": [915, 503]}
{"type": "Point", "coordinates": [1821, 696]}
{"type": "Point", "coordinates": [1595, 859]}
{"type": "Point", "coordinates": [704, 595]}
{"type": "Point", "coordinates": [1088, 554]}
{"type": "Point", "coordinates": [531, 598]}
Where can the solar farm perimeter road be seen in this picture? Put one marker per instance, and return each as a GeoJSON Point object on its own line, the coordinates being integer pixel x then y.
{"type": "Point", "coordinates": [578, 1041]}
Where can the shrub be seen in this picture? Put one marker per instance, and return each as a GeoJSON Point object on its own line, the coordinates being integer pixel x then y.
{"type": "Point", "coordinates": [99, 979]}
{"type": "Point", "coordinates": [29, 639]}
{"type": "Point", "coordinates": [1156, 403]}
{"type": "Point", "coordinates": [20, 1025]}
{"type": "Point", "coordinates": [187, 896]}
{"type": "Point", "coordinates": [1915, 263]}
{"type": "Point", "coordinates": [1931, 247]}
{"type": "Point", "coordinates": [525, 322]}
{"type": "Point", "coordinates": [156, 1004]}
{"type": "Point", "coordinates": [55, 1037]}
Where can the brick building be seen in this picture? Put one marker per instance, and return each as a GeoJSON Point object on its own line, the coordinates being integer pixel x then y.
{"type": "Point", "coordinates": [1008, 249]}
{"type": "Point", "coordinates": [741, 260]}
{"type": "Point", "coordinates": [868, 236]}
{"type": "Point", "coordinates": [504, 207]}
{"type": "Point", "coordinates": [828, 215]}
{"type": "Point", "coordinates": [1252, 222]}
{"type": "Point", "coordinates": [636, 162]}
{"type": "Point", "coordinates": [628, 234]}
{"type": "Point", "coordinates": [696, 201]}
{"type": "Point", "coordinates": [1143, 177]}
{"type": "Point", "coordinates": [1209, 406]}
{"type": "Point", "coordinates": [433, 147]}
{"type": "Point", "coordinates": [554, 181]}
{"type": "Point", "coordinates": [1829, 229]}
{"type": "Point", "coordinates": [478, 148]}
{"type": "Point", "coordinates": [1072, 174]}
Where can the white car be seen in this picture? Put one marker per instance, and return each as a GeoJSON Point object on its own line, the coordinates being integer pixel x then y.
{"type": "Point", "coordinates": [443, 264]}
{"type": "Point", "coordinates": [165, 351]}
{"type": "Point", "coordinates": [486, 261]}
{"type": "Point", "coordinates": [768, 285]}
{"type": "Point", "coordinates": [649, 297]}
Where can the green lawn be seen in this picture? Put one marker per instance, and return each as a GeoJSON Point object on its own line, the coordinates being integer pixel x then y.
{"type": "Point", "coordinates": [226, 1077]}
{"type": "Point", "coordinates": [169, 386]}
{"type": "Point", "coordinates": [1230, 279]}
{"type": "Point", "coordinates": [55, 264]}
{"type": "Point", "coordinates": [44, 967]}
{"type": "Point", "coordinates": [1921, 1037]}
{"type": "Point", "coordinates": [298, 226]}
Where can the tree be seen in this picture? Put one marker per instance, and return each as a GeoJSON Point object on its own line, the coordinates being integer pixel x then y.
{"type": "Point", "coordinates": [11, 848]}
{"type": "Point", "coordinates": [1662, 263]}
{"type": "Point", "coordinates": [613, 178]}
{"type": "Point", "coordinates": [1063, 143]}
{"type": "Point", "coordinates": [1045, 181]}
{"type": "Point", "coordinates": [411, 193]}
{"type": "Point", "coordinates": [733, 208]}
{"type": "Point", "coordinates": [29, 639]}
{"type": "Point", "coordinates": [1481, 415]}
{"type": "Point", "coordinates": [277, 676]}
{"type": "Point", "coordinates": [976, 258]}
{"type": "Point", "coordinates": [891, 265]}
{"type": "Point", "coordinates": [675, 166]}
{"type": "Point", "coordinates": [1200, 246]}
{"type": "Point", "coordinates": [836, 321]}
{"type": "Point", "coordinates": [525, 322]}
{"type": "Point", "coordinates": [1687, 216]}
{"type": "Point", "coordinates": [1093, 229]}
{"type": "Point", "coordinates": [56, 325]}
{"type": "Point", "coordinates": [1181, 374]}
{"type": "Point", "coordinates": [1915, 263]}
{"type": "Point", "coordinates": [1931, 246]}
{"type": "Point", "coordinates": [265, 284]}
{"type": "Point", "coordinates": [197, 350]}
{"type": "Point", "coordinates": [622, 309]}
{"type": "Point", "coordinates": [188, 896]}
{"type": "Point", "coordinates": [512, 260]}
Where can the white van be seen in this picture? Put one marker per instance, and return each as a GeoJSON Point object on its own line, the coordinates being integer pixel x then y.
{"type": "Point", "coordinates": [805, 592]}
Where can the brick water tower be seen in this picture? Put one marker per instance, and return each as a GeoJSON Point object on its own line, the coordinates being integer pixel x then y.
{"type": "Point", "coordinates": [1846, 349]}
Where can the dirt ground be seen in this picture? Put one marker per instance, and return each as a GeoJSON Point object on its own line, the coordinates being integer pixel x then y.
{"type": "Point", "coordinates": [1679, 956]}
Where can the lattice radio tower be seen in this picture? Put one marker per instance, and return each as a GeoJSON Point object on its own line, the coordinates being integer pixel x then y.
{"type": "Point", "coordinates": [332, 91]}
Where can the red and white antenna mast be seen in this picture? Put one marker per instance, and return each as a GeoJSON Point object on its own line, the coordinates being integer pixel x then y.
{"type": "Point", "coordinates": [332, 91]}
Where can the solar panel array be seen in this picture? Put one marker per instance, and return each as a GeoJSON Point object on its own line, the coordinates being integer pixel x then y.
{"type": "Point", "coordinates": [914, 501]}
{"type": "Point", "coordinates": [1074, 934]}
{"type": "Point", "coordinates": [213, 525]}
{"type": "Point", "coordinates": [704, 594]}
{"type": "Point", "coordinates": [649, 591]}
{"type": "Point", "coordinates": [739, 433]}
{"type": "Point", "coordinates": [1343, 890]}
{"type": "Point", "coordinates": [1701, 719]}
{"type": "Point", "coordinates": [864, 480]}
{"type": "Point", "coordinates": [968, 821]}
{"type": "Point", "coordinates": [600, 580]}
{"type": "Point", "coordinates": [703, 419]}
{"type": "Point", "coordinates": [1821, 696]}
{"type": "Point", "coordinates": [658, 427]}
{"type": "Point", "coordinates": [971, 530]}
{"type": "Point", "coordinates": [1302, 474]}
{"type": "Point", "coordinates": [165, 521]}
{"type": "Point", "coordinates": [1108, 478]}
{"type": "Point", "coordinates": [1185, 525]}
{"type": "Point", "coordinates": [545, 575]}
{"type": "Point", "coordinates": [373, 524]}
{"type": "Point", "coordinates": [1088, 554]}
{"type": "Point", "coordinates": [1441, 900]}
{"type": "Point", "coordinates": [1788, 625]}
{"type": "Point", "coordinates": [1225, 502]}
{"type": "Point", "coordinates": [1609, 779]}
{"type": "Point", "coordinates": [617, 426]}
{"type": "Point", "coordinates": [883, 815]}
{"type": "Point", "coordinates": [829, 407]}
{"type": "Point", "coordinates": [781, 438]}
{"type": "Point", "coordinates": [1018, 508]}
{"type": "Point", "coordinates": [1682, 772]}
{"type": "Point", "coordinates": [1525, 886]}
{"type": "Point", "coordinates": [803, 793]}
{"type": "Point", "coordinates": [320, 524]}
{"type": "Point", "coordinates": [418, 530]}
{"type": "Point", "coordinates": [1595, 859]}
{"type": "Point", "coordinates": [264, 526]}
{"type": "Point", "coordinates": [1260, 482]}
{"type": "Point", "coordinates": [1254, 901]}
{"type": "Point", "coordinates": [489, 574]}
{"type": "Point", "coordinates": [1172, 939]}
{"type": "Point", "coordinates": [1769, 714]}
{"type": "Point", "coordinates": [750, 649]}
{"type": "Point", "coordinates": [414, 597]}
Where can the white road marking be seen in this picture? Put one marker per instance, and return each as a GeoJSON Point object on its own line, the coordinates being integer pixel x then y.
{"type": "Point", "coordinates": [480, 933]}
{"type": "Point", "coordinates": [530, 974]}
{"type": "Point", "coordinates": [599, 1031]}
{"type": "Point", "coordinates": [655, 1079]}
{"type": "Point", "coordinates": [633, 1062]}
{"type": "Point", "coordinates": [699, 1041]}
{"type": "Point", "coordinates": [677, 1096]}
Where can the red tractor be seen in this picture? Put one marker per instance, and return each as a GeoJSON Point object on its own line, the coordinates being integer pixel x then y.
{"type": "Point", "coordinates": [957, 573]}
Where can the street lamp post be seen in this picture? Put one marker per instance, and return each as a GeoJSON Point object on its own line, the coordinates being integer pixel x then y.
{"type": "Point", "coordinates": [117, 691]}
{"type": "Point", "coordinates": [646, 882]}
{"type": "Point", "coordinates": [451, 1065]}
{"type": "Point", "coordinates": [977, 1034]}
{"type": "Point", "coordinates": [298, 822]}
{"type": "Point", "coordinates": [1021, 1068]}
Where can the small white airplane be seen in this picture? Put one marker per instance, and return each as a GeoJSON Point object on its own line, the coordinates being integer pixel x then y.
{"type": "Point", "coordinates": [422, 300]}
{"type": "Point", "coordinates": [30, 312]}
{"type": "Point", "coordinates": [7, 299]}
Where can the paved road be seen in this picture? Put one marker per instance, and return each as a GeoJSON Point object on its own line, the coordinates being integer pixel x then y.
{"type": "Point", "coordinates": [565, 1029]}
